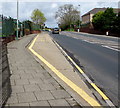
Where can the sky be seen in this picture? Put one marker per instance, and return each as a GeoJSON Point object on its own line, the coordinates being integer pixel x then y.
{"type": "Point", "coordinates": [49, 8]}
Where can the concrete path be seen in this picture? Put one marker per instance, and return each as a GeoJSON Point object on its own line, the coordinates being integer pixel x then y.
{"type": "Point", "coordinates": [31, 84]}
{"type": "Point", "coordinates": [44, 48]}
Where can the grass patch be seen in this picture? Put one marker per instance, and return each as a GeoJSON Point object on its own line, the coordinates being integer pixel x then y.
{"type": "Point", "coordinates": [2, 35]}
{"type": "Point", "coordinates": [69, 30]}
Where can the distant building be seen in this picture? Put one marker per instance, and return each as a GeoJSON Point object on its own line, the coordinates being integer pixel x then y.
{"type": "Point", "coordinates": [87, 18]}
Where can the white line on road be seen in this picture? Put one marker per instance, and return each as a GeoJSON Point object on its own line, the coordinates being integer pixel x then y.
{"type": "Point", "coordinates": [110, 48]}
{"type": "Point", "coordinates": [101, 45]}
{"type": "Point", "coordinates": [75, 38]}
{"type": "Point", "coordinates": [95, 43]}
{"type": "Point", "coordinates": [89, 41]}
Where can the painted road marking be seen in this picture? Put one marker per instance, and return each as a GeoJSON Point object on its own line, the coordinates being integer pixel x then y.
{"type": "Point", "coordinates": [96, 43]}
{"type": "Point", "coordinates": [110, 48]}
{"type": "Point", "coordinates": [91, 42]}
{"type": "Point", "coordinates": [99, 91]}
{"type": "Point", "coordinates": [86, 77]}
{"type": "Point", "coordinates": [101, 45]}
{"type": "Point", "coordinates": [77, 89]}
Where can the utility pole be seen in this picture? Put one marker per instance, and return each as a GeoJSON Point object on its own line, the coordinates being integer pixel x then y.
{"type": "Point", "coordinates": [79, 21]}
{"type": "Point", "coordinates": [17, 21]}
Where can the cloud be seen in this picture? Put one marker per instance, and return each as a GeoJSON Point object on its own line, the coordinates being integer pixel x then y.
{"type": "Point", "coordinates": [108, 4]}
{"type": "Point", "coordinates": [9, 9]}
{"type": "Point", "coordinates": [60, 1]}
{"type": "Point", "coordinates": [1, 8]}
{"type": "Point", "coordinates": [48, 8]}
{"type": "Point", "coordinates": [54, 5]}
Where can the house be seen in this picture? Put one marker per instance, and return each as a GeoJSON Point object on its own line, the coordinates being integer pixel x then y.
{"type": "Point", "coordinates": [87, 18]}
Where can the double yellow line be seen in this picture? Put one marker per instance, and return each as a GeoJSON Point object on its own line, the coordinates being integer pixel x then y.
{"type": "Point", "coordinates": [77, 89]}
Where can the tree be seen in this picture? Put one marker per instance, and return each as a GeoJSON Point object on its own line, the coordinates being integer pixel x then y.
{"type": "Point", "coordinates": [116, 24]}
{"type": "Point", "coordinates": [67, 16]}
{"type": "Point", "coordinates": [38, 17]}
{"type": "Point", "coordinates": [98, 20]}
{"type": "Point", "coordinates": [104, 21]}
{"type": "Point", "coordinates": [109, 17]}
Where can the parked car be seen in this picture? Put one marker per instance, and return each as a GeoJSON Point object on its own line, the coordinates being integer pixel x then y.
{"type": "Point", "coordinates": [55, 31]}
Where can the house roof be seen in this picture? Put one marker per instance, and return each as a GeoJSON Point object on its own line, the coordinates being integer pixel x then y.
{"type": "Point", "coordinates": [95, 10]}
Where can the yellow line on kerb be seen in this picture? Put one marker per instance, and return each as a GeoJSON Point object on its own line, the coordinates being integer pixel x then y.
{"type": "Point", "coordinates": [77, 89]}
{"type": "Point", "coordinates": [100, 92]}
{"type": "Point", "coordinates": [76, 65]}
{"type": "Point", "coordinates": [94, 86]}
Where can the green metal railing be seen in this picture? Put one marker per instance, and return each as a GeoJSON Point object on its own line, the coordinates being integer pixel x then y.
{"type": "Point", "coordinates": [35, 26]}
{"type": "Point", "coordinates": [8, 26]}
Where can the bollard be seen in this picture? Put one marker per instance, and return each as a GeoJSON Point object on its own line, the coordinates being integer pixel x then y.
{"type": "Point", "coordinates": [107, 33]}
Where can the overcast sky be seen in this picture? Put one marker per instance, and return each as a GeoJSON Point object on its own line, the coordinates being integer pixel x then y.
{"type": "Point", "coordinates": [9, 8]}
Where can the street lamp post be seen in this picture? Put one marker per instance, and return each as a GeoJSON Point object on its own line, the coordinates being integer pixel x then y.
{"type": "Point", "coordinates": [79, 21]}
{"type": "Point", "coordinates": [17, 22]}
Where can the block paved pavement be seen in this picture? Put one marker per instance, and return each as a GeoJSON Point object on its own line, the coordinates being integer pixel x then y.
{"type": "Point", "coordinates": [31, 84]}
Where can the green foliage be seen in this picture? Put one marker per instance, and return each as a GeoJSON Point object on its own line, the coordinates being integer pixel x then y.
{"type": "Point", "coordinates": [116, 24]}
{"type": "Point", "coordinates": [105, 21]}
{"type": "Point", "coordinates": [38, 17]}
{"type": "Point", "coordinates": [70, 29]}
{"type": "Point", "coordinates": [109, 17]}
{"type": "Point", "coordinates": [98, 20]}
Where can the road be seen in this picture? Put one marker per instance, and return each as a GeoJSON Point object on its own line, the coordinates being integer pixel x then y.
{"type": "Point", "coordinates": [100, 63]}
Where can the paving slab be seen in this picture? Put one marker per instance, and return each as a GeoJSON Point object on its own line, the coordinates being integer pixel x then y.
{"type": "Point", "coordinates": [60, 94]}
{"type": "Point", "coordinates": [31, 87]}
{"type": "Point", "coordinates": [12, 82]}
{"type": "Point", "coordinates": [43, 95]}
{"type": "Point", "coordinates": [46, 86]}
{"type": "Point", "coordinates": [32, 84]}
{"type": "Point", "coordinates": [17, 89]}
{"type": "Point", "coordinates": [15, 76]}
{"type": "Point", "coordinates": [59, 102]}
{"type": "Point", "coordinates": [35, 81]}
{"type": "Point", "coordinates": [72, 102]}
{"type": "Point", "coordinates": [40, 103]}
{"type": "Point", "coordinates": [21, 81]}
{"type": "Point", "coordinates": [26, 75]}
{"type": "Point", "coordinates": [25, 105]}
{"type": "Point", "coordinates": [26, 97]}
{"type": "Point", "coordinates": [13, 99]}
